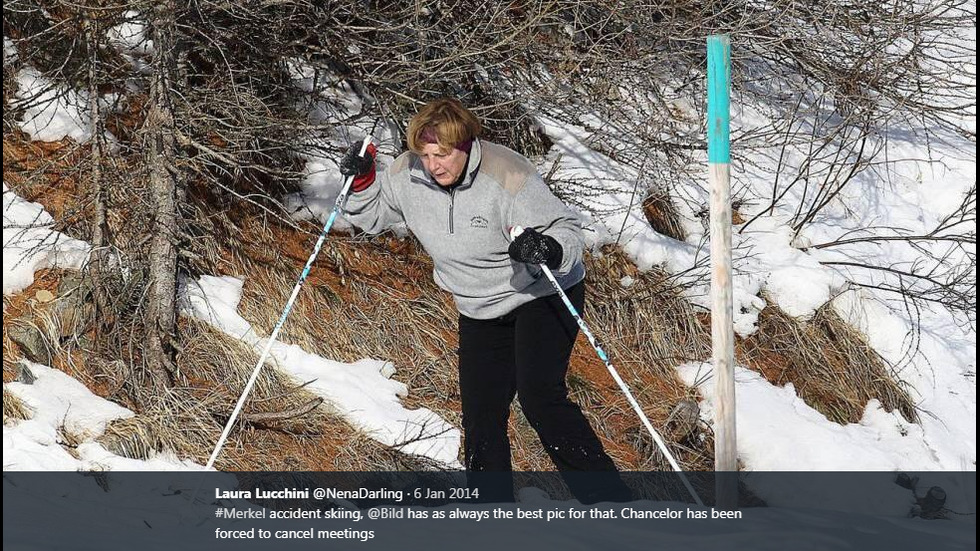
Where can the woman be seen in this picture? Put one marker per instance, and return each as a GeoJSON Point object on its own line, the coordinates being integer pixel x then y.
{"type": "Point", "coordinates": [461, 196]}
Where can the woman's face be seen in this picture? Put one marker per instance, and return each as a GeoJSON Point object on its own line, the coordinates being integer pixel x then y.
{"type": "Point", "coordinates": [444, 167]}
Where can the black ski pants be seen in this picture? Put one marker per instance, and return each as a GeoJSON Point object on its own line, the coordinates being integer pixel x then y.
{"type": "Point", "coordinates": [526, 353]}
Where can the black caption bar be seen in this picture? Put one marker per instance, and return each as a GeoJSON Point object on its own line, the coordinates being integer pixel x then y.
{"type": "Point", "coordinates": [406, 510]}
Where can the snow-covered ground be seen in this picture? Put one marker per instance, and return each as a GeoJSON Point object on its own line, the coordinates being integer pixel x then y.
{"type": "Point", "coordinates": [29, 243]}
{"type": "Point", "coordinates": [63, 409]}
{"type": "Point", "coordinates": [941, 373]}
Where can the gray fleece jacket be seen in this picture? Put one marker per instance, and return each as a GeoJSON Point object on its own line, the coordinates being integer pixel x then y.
{"type": "Point", "coordinates": [465, 229]}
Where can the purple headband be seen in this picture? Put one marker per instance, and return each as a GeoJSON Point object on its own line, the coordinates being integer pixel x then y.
{"type": "Point", "coordinates": [429, 136]}
{"type": "Point", "coordinates": [465, 146]}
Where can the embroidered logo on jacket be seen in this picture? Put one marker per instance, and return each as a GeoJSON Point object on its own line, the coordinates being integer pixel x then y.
{"type": "Point", "coordinates": [479, 222]}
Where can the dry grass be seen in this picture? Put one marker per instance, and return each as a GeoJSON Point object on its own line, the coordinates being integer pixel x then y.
{"type": "Point", "coordinates": [831, 366]}
{"type": "Point", "coordinates": [14, 409]}
{"type": "Point", "coordinates": [647, 329]}
{"type": "Point", "coordinates": [662, 215]}
{"type": "Point", "coordinates": [12, 309]}
{"type": "Point", "coordinates": [24, 308]}
{"type": "Point", "coordinates": [189, 419]}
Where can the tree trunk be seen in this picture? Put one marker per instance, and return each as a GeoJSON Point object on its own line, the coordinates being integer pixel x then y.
{"type": "Point", "coordinates": [160, 148]}
{"type": "Point", "coordinates": [100, 230]}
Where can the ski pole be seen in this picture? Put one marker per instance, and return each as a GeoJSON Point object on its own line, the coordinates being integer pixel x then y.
{"type": "Point", "coordinates": [516, 231]}
{"type": "Point", "coordinates": [338, 204]}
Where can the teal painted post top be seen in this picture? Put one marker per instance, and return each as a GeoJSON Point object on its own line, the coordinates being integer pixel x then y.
{"type": "Point", "coordinates": [719, 77]}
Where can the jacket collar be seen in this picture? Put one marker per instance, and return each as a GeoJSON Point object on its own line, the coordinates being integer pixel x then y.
{"type": "Point", "coordinates": [419, 174]}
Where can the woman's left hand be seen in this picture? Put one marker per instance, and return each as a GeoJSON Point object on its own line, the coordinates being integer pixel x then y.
{"type": "Point", "coordinates": [532, 247]}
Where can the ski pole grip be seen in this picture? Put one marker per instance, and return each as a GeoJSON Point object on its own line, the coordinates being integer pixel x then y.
{"type": "Point", "coordinates": [515, 232]}
{"type": "Point", "coordinates": [364, 146]}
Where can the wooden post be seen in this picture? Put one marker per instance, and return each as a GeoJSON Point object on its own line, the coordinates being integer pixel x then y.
{"type": "Point", "coordinates": [722, 334]}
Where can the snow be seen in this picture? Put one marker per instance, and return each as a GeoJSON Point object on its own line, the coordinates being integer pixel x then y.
{"type": "Point", "coordinates": [52, 112]}
{"type": "Point", "coordinates": [941, 374]}
{"type": "Point", "coordinates": [131, 35]}
{"type": "Point", "coordinates": [29, 243]}
{"type": "Point", "coordinates": [362, 392]}
{"type": "Point", "coordinates": [797, 280]}
{"type": "Point", "coordinates": [9, 52]}
{"type": "Point", "coordinates": [63, 407]}
{"type": "Point", "coordinates": [59, 400]}
{"type": "Point", "coordinates": [778, 431]}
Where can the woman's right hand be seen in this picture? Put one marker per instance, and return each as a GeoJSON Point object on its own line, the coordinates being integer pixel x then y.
{"type": "Point", "coordinates": [362, 168]}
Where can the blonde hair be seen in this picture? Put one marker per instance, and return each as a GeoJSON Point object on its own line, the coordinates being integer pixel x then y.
{"type": "Point", "coordinates": [445, 120]}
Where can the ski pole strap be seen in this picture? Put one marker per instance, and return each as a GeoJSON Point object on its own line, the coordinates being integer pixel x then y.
{"type": "Point", "coordinates": [516, 231]}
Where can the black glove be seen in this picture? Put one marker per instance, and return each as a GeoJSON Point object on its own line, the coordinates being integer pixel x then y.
{"type": "Point", "coordinates": [354, 165]}
{"type": "Point", "coordinates": [536, 248]}
{"type": "Point", "coordinates": [362, 168]}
